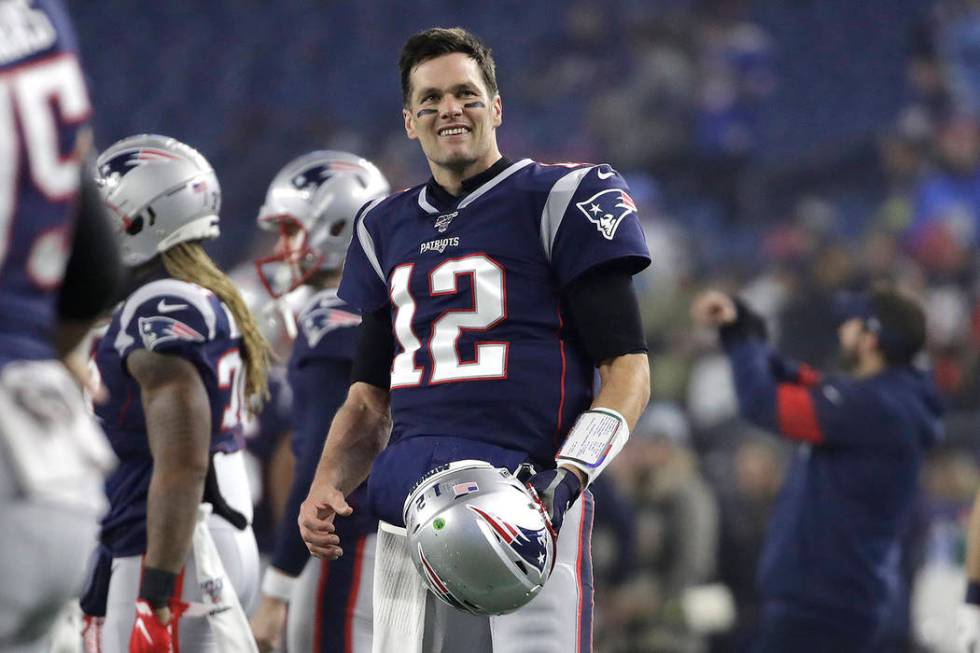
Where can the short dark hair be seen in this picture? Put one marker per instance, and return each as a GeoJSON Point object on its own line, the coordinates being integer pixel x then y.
{"type": "Point", "coordinates": [902, 322]}
{"type": "Point", "coordinates": [438, 41]}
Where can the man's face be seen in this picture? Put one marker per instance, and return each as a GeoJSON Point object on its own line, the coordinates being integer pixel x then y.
{"type": "Point", "coordinates": [450, 111]}
{"type": "Point", "coordinates": [851, 336]}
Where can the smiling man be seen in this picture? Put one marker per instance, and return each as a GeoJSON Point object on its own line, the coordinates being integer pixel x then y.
{"type": "Point", "coordinates": [490, 295]}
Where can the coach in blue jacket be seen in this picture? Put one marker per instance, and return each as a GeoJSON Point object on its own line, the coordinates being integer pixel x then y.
{"type": "Point", "coordinates": [829, 569]}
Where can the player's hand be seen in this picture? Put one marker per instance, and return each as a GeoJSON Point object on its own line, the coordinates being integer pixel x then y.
{"type": "Point", "coordinates": [714, 309]}
{"type": "Point", "coordinates": [968, 628]}
{"type": "Point", "coordinates": [268, 623]}
{"type": "Point", "coordinates": [153, 629]}
{"type": "Point", "coordinates": [77, 365]}
{"type": "Point", "coordinates": [556, 489]}
{"type": "Point", "coordinates": [316, 516]}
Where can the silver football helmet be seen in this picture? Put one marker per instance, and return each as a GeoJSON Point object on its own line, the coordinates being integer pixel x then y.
{"type": "Point", "coordinates": [312, 202]}
{"type": "Point", "coordinates": [478, 538]}
{"type": "Point", "coordinates": [161, 191]}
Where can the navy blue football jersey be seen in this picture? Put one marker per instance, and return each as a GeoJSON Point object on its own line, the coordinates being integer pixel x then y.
{"type": "Point", "coordinates": [172, 317]}
{"type": "Point", "coordinates": [43, 105]}
{"type": "Point", "coordinates": [484, 360]}
{"type": "Point", "coordinates": [319, 373]}
{"type": "Point", "coordinates": [263, 430]}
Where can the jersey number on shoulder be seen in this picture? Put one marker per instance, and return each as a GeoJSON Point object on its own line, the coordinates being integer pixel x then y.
{"type": "Point", "coordinates": [489, 296]}
{"type": "Point", "coordinates": [231, 380]}
{"type": "Point", "coordinates": [36, 95]}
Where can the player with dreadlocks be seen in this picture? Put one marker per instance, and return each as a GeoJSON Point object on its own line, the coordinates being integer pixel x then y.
{"type": "Point", "coordinates": [183, 361]}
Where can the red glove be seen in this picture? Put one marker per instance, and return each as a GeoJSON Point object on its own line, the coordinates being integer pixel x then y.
{"type": "Point", "coordinates": [149, 634]}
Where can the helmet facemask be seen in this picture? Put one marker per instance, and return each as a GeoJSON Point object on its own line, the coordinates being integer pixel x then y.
{"type": "Point", "coordinates": [293, 262]}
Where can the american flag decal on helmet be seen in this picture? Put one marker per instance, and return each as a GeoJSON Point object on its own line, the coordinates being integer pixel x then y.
{"type": "Point", "coordinates": [462, 489]}
{"type": "Point", "coordinates": [160, 329]}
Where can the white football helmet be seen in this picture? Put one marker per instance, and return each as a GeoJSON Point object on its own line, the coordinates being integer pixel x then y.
{"type": "Point", "coordinates": [478, 538]}
{"type": "Point", "coordinates": [312, 202]}
{"type": "Point", "coordinates": [161, 191]}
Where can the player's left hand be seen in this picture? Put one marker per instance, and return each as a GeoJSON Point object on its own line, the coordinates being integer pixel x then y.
{"type": "Point", "coordinates": [153, 629]}
{"type": "Point", "coordinates": [268, 623]}
{"type": "Point", "coordinates": [713, 308]}
{"type": "Point", "coordinates": [557, 489]}
{"type": "Point", "coordinates": [968, 628]}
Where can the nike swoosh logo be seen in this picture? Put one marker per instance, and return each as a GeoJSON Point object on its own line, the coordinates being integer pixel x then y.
{"type": "Point", "coordinates": [164, 307]}
{"type": "Point", "coordinates": [605, 175]}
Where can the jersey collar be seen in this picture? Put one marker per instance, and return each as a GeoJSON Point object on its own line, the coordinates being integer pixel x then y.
{"type": "Point", "coordinates": [433, 198]}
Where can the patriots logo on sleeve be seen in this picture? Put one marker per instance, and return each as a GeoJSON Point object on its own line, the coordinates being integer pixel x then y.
{"type": "Point", "coordinates": [159, 329]}
{"type": "Point", "coordinates": [323, 319]}
{"type": "Point", "coordinates": [606, 209]}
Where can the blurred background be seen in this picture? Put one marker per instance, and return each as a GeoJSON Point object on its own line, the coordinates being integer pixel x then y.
{"type": "Point", "coordinates": [783, 150]}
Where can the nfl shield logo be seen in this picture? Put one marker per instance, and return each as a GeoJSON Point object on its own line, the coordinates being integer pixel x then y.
{"type": "Point", "coordinates": [443, 221]}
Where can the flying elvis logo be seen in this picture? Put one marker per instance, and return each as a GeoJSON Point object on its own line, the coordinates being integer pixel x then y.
{"type": "Point", "coordinates": [607, 209]}
{"type": "Point", "coordinates": [322, 320]}
{"type": "Point", "coordinates": [159, 329]}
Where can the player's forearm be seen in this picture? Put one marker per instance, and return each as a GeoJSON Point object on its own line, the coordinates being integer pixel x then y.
{"type": "Point", "coordinates": [625, 386]}
{"type": "Point", "coordinates": [357, 434]}
{"type": "Point", "coordinates": [171, 515]}
{"type": "Point", "coordinates": [178, 425]}
{"type": "Point", "coordinates": [973, 543]}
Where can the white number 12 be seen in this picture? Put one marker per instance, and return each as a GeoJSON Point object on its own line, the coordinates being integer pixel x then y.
{"type": "Point", "coordinates": [489, 290]}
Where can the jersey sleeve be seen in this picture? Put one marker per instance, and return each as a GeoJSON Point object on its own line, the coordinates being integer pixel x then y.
{"type": "Point", "coordinates": [590, 219]}
{"type": "Point", "coordinates": [329, 332]}
{"type": "Point", "coordinates": [800, 405]}
{"type": "Point", "coordinates": [363, 283]}
{"type": "Point", "coordinates": [168, 317]}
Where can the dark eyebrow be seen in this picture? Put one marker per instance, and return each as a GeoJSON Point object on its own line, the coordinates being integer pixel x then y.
{"type": "Point", "coordinates": [456, 88]}
{"type": "Point", "coordinates": [425, 92]}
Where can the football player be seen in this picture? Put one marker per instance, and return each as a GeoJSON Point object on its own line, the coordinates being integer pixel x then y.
{"type": "Point", "coordinates": [58, 270]}
{"type": "Point", "coordinates": [489, 296]}
{"type": "Point", "coordinates": [311, 204]}
{"type": "Point", "coordinates": [182, 360]}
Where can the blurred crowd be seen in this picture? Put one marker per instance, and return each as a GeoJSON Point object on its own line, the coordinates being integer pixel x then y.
{"type": "Point", "coordinates": [679, 95]}
{"type": "Point", "coordinates": [701, 483]}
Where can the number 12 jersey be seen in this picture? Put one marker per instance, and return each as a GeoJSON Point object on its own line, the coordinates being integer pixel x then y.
{"type": "Point", "coordinates": [484, 352]}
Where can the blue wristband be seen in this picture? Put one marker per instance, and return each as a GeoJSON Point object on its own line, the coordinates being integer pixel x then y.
{"type": "Point", "coordinates": [973, 593]}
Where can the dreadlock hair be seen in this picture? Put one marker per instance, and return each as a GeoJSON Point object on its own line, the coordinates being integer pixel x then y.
{"type": "Point", "coordinates": [189, 262]}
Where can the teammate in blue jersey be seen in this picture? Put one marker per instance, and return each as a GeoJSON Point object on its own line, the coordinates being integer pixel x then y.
{"type": "Point", "coordinates": [829, 571]}
{"type": "Point", "coordinates": [182, 360]}
{"type": "Point", "coordinates": [311, 203]}
{"type": "Point", "coordinates": [58, 270]}
{"type": "Point", "coordinates": [489, 296]}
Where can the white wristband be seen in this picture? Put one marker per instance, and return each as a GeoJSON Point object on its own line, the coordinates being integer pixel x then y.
{"type": "Point", "coordinates": [277, 585]}
{"type": "Point", "coordinates": [595, 439]}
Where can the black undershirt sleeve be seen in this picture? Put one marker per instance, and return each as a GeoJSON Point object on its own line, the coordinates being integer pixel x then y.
{"type": "Point", "coordinates": [94, 269]}
{"type": "Point", "coordinates": [375, 349]}
{"type": "Point", "coordinates": [605, 312]}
